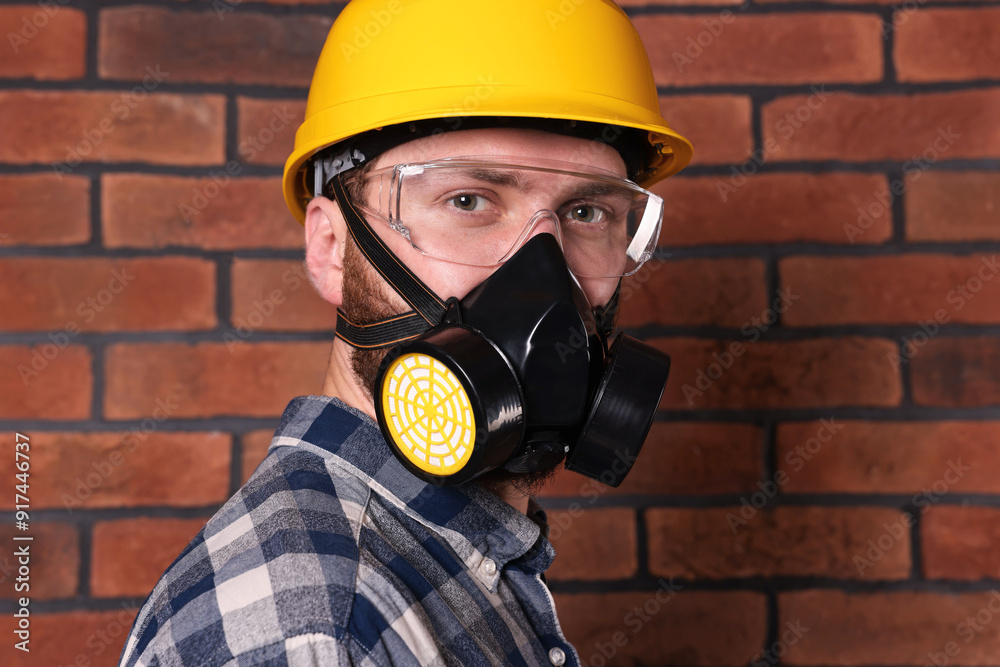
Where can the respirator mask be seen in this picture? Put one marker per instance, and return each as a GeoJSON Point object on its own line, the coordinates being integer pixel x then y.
{"type": "Point", "coordinates": [519, 374]}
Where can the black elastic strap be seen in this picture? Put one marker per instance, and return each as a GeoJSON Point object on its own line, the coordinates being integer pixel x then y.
{"type": "Point", "coordinates": [426, 305]}
{"type": "Point", "coordinates": [607, 315]}
{"type": "Point", "coordinates": [384, 333]}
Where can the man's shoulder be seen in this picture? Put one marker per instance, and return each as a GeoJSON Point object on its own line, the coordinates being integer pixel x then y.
{"type": "Point", "coordinates": [296, 504]}
{"type": "Point", "coordinates": [278, 560]}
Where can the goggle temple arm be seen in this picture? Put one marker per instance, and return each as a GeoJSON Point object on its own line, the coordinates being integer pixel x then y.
{"type": "Point", "coordinates": [637, 249]}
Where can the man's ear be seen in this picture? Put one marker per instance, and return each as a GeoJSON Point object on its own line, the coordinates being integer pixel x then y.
{"type": "Point", "coordinates": [326, 235]}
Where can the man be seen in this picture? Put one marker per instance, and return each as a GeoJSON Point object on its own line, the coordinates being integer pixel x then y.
{"type": "Point", "coordinates": [463, 179]}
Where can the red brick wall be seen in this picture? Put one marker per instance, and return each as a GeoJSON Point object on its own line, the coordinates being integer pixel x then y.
{"type": "Point", "coordinates": [821, 486]}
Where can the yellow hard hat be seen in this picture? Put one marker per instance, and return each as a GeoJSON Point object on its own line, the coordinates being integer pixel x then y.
{"type": "Point", "coordinates": [387, 62]}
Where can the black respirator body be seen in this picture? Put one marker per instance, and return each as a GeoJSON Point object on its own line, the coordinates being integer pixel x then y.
{"type": "Point", "coordinates": [516, 375]}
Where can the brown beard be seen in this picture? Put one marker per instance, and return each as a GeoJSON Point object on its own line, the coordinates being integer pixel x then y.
{"type": "Point", "coordinates": [524, 483]}
{"type": "Point", "coordinates": [365, 302]}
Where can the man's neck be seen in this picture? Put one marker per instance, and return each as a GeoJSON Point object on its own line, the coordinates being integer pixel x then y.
{"type": "Point", "coordinates": [341, 383]}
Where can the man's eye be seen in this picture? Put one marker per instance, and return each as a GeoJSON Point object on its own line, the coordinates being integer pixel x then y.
{"type": "Point", "coordinates": [468, 202]}
{"type": "Point", "coordinates": [586, 214]}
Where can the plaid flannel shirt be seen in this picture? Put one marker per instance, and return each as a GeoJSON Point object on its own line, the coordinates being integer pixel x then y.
{"type": "Point", "coordinates": [333, 554]}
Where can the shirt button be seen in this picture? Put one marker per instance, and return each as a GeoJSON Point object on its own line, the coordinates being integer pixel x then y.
{"type": "Point", "coordinates": [557, 656]}
{"type": "Point", "coordinates": [489, 567]}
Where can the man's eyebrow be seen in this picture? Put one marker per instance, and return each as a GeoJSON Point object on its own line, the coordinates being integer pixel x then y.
{"type": "Point", "coordinates": [598, 189]}
{"type": "Point", "coordinates": [510, 179]}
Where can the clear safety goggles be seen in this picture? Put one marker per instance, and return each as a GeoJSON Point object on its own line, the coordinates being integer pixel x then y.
{"type": "Point", "coordinates": [478, 211]}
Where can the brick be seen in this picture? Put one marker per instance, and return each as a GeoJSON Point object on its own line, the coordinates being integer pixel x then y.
{"type": "Point", "coordinates": [741, 541]}
{"type": "Point", "coordinates": [43, 209]}
{"type": "Point", "coordinates": [48, 42]}
{"type": "Point", "coordinates": [580, 557]}
{"type": "Point", "coordinates": [267, 127]}
{"type": "Point", "coordinates": [953, 206]}
{"type": "Point", "coordinates": [255, 444]}
{"type": "Point", "coordinates": [770, 208]}
{"type": "Point", "coordinates": [679, 458]}
{"type": "Point", "coordinates": [953, 44]}
{"type": "Point", "coordinates": [923, 458]}
{"type": "Point", "coordinates": [702, 628]}
{"type": "Point", "coordinates": [45, 382]}
{"type": "Point", "coordinates": [177, 211]}
{"type": "Point", "coordinates": [868, 2]}
{"type": "Point", "coordinates": [66, 128]}
{"type": "Point", "coordinates": [91, 638]}
{"type": "Point", "coordinates": [719, 292]}
{"type": "Point", "coordinates": [240, 47]}
{"type": "Point", "coordinates": [888, 628]}
{"type": "Point", "coordinates": [271, 295]}
{"type": "Point", "coordinates": [961, 543]}
{"type": "Point", "coordinates": [279, 2]}
{"type": "Point", "coordinates": [135, 468]}
{"type": "Point", "coordinates": [654, 3]}
{"type": "Point", "coordinates": [688, 50]}
{"type": "Point", "coordinates": [55, 558]}
{"type": "Point", "coordinates": [70, 295]}
{"type": "Point", "coordinates": [919, 129]}
{"type": "Point", "coordinates": [718, 125]}
{"type": "Point", "coordinates": [211, 379]}
{"type": "Point", "coordinates": [130, 555]}
{"type": "Point", "coordinates": [907, 289]}
{"type": "Point", "coordinates": [956, 372]}
{"type": "Point", "coordinates": [770, 374]}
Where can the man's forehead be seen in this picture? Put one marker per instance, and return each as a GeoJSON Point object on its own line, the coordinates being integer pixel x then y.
{"type": "Point", "coordinates": [507, 142]}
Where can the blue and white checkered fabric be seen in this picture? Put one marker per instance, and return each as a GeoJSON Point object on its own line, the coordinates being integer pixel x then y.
{"type": "Point", "coordinates": [333, 554]}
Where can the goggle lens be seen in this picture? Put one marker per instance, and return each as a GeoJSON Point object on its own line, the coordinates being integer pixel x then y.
{"type": "Point", "coordinates": [478, 211]}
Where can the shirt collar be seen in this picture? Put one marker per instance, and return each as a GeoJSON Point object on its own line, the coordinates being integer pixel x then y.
{"type": "Point", "coordinates": [478, 525]}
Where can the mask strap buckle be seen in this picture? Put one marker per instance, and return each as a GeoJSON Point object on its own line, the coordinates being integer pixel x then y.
{"type": "Point", "coordinates": [606, 316]}
{"type": "Point", "coordinates": [453, 311]}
